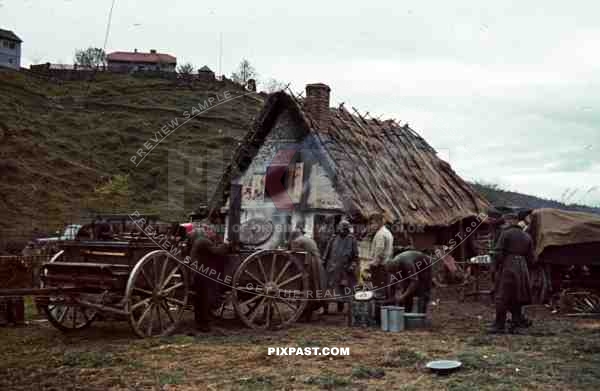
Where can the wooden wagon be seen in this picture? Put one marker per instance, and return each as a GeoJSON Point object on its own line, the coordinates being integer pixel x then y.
{"type": "Point", "coordinates": [568, 256]}
{"type": "Point", "coordinates": [149, 283]}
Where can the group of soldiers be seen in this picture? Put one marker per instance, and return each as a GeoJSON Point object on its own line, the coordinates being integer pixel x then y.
{"type": "Point", "coordinates": [342, 266]}
{"type": "Point", "coordinates": [338, 262]}
{"type": "Point", "coordinates": [404, 279]}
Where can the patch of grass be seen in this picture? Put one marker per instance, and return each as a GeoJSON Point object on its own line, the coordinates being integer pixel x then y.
{"type": "Point", "coordinates": [31, 311]}
{"type": "Point", "coordinates": [542, 333]}
{"type": "Point", "coordinates": [88, 359]}
{"type": "Point", "coordinates": [179, 339]}
{"type": "Point", "coordinates": [409, 387]}
{"type": "Point", "coordinates": [485, 381]}
{"type": "Point", "coordinates": [174, 377]}
{"type": "Point", "coordinates": [367, 373]}
{"type": "Point", "coordinates": [308, 343]}
{"type": "Point", "coordinates": [256, 383]}
{"type": "Point", "coordinates": [480, 340]}
{"type": "Point", "coordinates": [328, 381]}
{"type": "Point", "coordinates": [590, 347]}
{"type": "Point", "coordinates": [402, 358]}
{"type": "Point", "coordinates": [473, 360]}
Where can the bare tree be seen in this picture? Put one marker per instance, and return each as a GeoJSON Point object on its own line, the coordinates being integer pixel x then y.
{"type": "Point", "coordinates": [244, 72]}
{"type": "Point", "coordinates": [90, 57]}
{"type": "Point", "coordinates": [273, 85]}
{"type": "Point", "coordinates": [186, 69]}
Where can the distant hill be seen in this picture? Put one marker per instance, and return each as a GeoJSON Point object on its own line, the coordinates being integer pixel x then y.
{"type": "Point", "coordinates": [65, 146]}
{"type": "Point", "coordinates": [499, 197]}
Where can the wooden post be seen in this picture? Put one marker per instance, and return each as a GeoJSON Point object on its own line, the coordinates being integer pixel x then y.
{"type": "Point", "coordinates": [235, 208]}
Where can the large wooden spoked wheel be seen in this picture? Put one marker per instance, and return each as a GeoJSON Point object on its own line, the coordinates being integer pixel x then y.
{"type": "Point", "coordinates": [63, 314]}
{"type": "Point", "coordinates": [156, 294]}
{"type": "Point", "coordinates": [270, 289]}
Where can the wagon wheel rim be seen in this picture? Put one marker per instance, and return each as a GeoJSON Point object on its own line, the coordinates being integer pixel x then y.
{"type": "Point", "coordinates": [270, 289]}
{"type": "Point", "coordinates": [157, 294]}
{"type": "Point", "coordinates": [68, 316]}
{"type": "Point", "coordinates": [62, 314]}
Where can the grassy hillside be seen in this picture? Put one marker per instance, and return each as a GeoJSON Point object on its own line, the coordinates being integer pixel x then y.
{"type": "Point", "coordinates": [65, 146]}
{"type": "Point", "coordinates": [499, 197]}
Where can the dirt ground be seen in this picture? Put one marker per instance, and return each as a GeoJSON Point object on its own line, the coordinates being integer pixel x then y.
{"type": "Point", "coordinates": [557, 353]}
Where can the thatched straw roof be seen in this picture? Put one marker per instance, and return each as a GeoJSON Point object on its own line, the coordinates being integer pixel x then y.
{"type": "Point", "coordinates": [378, 166]}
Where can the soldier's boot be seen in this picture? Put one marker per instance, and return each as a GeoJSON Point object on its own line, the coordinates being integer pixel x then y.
{"type": "Point", "coordinates": [519, 320]}
{"type": "Point", "coordinates": [498, 326]}
{"type": "Point", "coordinates": [496, 329]}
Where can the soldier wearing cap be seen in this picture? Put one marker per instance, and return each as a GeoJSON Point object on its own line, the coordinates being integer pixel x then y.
{"type": "Point", "coordinates": [513, 251]}
{"type": "Point", "coordinates": [341, 262]}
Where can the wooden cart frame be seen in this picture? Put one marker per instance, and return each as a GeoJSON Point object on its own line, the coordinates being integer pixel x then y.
{"type": "Point", "coordinates": [151, 288]}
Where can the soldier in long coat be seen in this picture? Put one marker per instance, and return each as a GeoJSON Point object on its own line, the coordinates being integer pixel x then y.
{"type": "Point", "coordinates": [341, 263]}
{"type": "Point", "coordinates": [207, 249]}
{"type": "Point", "coordinates": [513, 251]}
{"type": "Point", "coordinates": [300, 242]}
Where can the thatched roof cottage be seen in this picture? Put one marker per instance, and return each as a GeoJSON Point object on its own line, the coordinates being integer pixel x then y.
{"type": "Point", "coordinates": [304, 161]}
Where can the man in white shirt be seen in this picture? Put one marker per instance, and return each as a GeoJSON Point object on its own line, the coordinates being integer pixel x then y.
{"type": "Point", "coordinates": [382, 245]}
{"type": "Point", "coordinates": [380, 253]}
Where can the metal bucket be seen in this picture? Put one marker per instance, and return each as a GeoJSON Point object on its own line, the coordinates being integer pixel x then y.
{"type": "Point", "coordinates": [384, 318]}
{"type": "Point", "coordinates": [394, 318]}
{"type": "Point", "coordinates": [415, 320]}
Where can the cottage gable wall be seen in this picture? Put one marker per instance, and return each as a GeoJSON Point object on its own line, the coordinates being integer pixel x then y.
{"type": "Point", "coordinates": [308, 185]}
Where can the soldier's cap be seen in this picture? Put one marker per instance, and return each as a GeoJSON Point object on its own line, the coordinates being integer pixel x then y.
{"type": "Point", "coordinates": [300, 226]}
{"type": "Point", "coordinates": [524, 213]}
{"type": "Point", "coordinates": [344, 223]}
{"type": "Point", "coordinates": [200, 213]}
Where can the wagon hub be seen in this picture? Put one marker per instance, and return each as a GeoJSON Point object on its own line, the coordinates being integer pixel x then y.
{"type": "Point", "coordinates": [157, 297]}
{"type": "Point", "coordinates": [271, 289]}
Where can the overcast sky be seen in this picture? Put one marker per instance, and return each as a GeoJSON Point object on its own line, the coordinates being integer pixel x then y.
{"type": "Point", "coordinates": [507, 91]}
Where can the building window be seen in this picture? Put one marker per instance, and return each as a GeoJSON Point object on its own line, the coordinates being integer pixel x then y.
{"type": "Point", "coordinates": [11, 61]}
{"type": "Point", "coordinates": [4, 43]}
{"type": "Point", "coordinates": [12, 45]}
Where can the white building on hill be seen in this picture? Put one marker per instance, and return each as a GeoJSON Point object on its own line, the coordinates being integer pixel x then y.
{"type": "Point", "coordinates": [10, 49]}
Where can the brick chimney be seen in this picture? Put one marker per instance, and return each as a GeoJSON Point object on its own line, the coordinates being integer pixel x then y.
{"type": "Point", "coordinates": [317, 102]}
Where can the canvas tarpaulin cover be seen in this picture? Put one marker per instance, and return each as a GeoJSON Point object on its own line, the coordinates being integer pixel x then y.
{"type": "Point", "coordinates": [553, 227]}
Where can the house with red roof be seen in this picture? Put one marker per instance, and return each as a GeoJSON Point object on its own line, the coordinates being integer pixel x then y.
{"type": "Point", "coordinates": [140, 61]}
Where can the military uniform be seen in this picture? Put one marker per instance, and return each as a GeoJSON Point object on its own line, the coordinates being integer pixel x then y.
{"type": "Point", "coordinates": [341, 262]}
{"type": "Point", "coordinates": [207, 250]}
{"type": "Point", "coordinates": [414, 267]}
{"type": "Point", "coordinates": [512, 253]}
{"type": "Point", "coordinates": [308, 245]}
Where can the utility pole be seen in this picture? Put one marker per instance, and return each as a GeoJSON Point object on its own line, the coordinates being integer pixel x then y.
{"type": "Point", "coordinates": [220, 53]}
{"type": "Point", "coordinates": [112, 6]}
